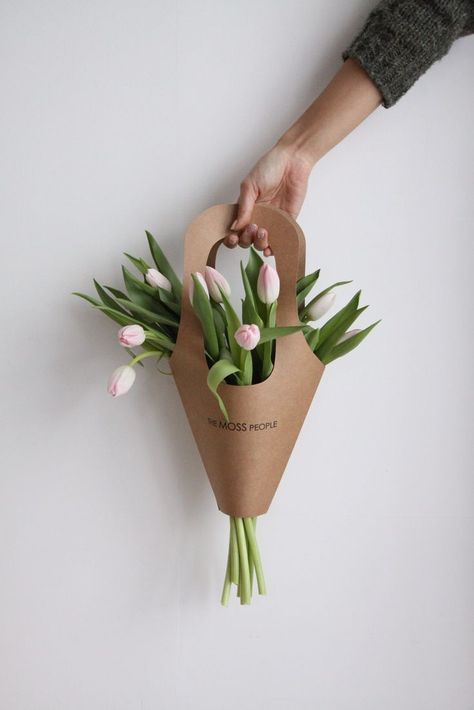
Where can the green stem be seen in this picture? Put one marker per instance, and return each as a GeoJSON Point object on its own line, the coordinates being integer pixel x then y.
{"type": "Point", "coordinates": [250, 524]}
{"type": "Point", "coordinates": [244, 562]}
{"type": "Point", "coordinates": [142, 356]}
{"type": "Point", "coordinates": [226, 588]}
{"type": "Point", "coordinates": [234, 553]}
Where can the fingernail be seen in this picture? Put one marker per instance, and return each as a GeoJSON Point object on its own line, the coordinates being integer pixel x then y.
{"type": "Point", "coordinates": [261, 233]}
{"type": "Point", "coordinates": [234, 224]}
{"type": "Point", "coordinates": [252, 228]}
{"type": "Point", "coordinates": [232, 239]}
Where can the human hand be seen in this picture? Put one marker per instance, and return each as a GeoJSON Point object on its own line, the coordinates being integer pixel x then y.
{"type": "Point", "coordinates": [279, 178]}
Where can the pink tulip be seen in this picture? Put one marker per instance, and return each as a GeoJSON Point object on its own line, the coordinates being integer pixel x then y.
{"type": "Point", "coordinates": [214, 279]}
{"type": "Point", "coordinates": [268, 284]}
{"type": "Point", "coordinates": [131, 335]}
{"type": "Point", "coordinates": [348, 335]}
{"type": "Point", "coordinates": [247, 336]}
{"type": "Point", "coordinates": [155, 278]}
{"type": "Point", "coordinates": [201, 280]}
{"type": "Point", "coordinates": [121, 380]}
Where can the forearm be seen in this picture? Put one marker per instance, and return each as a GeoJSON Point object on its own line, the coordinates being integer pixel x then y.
{"type": "Point", "coordinates": [347, 100]}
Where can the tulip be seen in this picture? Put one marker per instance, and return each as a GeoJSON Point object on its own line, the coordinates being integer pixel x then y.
{"type": "Point", "coordinates": [268, 284]}
{"type": "Point", "coordinates": [348, 335]}
{"type": "Point", "coordinates": [131, 335]}
{"type": "Point", "coordinates": [247, 336]}
{"type": "Point", "coordinates": [320, 307]}
{"type": "Point", "coordinates": [201, 280]}
{"type": "Point", "coordinates": [121, 380]}
{"type": "Point", "coordinates": [155, 278]}
{"type": "Point", "coordinates": [214, 280]}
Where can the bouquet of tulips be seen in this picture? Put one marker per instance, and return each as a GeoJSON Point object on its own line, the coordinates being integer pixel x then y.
{"type": "Point", "coordinates": [239, 350]}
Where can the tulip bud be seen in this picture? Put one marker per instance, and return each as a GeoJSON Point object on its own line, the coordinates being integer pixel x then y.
{"type": "Point", "coordinates": [247, 336]}
{"type": "Point", "coordinates": [348, 335]}
{"type": "Point", "coordinates": [131, 335]}
{"type": "Point", "coordinates": [214, 279]}
{"type": "Point", "coordinates": [268, 284]}
{"type": "Point", "coordinates": [201, 280]}
{"type": "Point", "coordinates": [121, 380]}
{"type": "Point", "coordinates": [321, 306]}
{"type": "Point", "coordinates": [155, 278]}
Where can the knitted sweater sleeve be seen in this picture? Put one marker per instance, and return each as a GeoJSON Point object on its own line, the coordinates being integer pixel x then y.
{"type": "Point", "coordinates": [401, 39]}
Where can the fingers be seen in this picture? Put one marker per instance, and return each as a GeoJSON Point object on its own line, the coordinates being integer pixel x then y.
{"type": "Point", "coordinates": [261, 240]}
{"type": "Point", "coordinates": [248, 235]}
{"type": "Point", "coordinates": [247, 199]}
{"type": "Point", "coordinates": [231, 240]}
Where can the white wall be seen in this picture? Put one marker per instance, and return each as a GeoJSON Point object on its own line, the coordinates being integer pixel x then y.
{"type": "Point", "coordinates": [121, 116]}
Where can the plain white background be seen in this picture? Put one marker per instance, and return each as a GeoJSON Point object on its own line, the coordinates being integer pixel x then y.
{"type": "Point", "coordinates": [121, 116]}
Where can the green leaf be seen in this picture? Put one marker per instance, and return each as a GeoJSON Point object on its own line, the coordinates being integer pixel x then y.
{"type": "Point", "coordinates": [337, 326]}
{"type": "Point", "coordinates": [119, 317]}
{"type": "Point", "coordinates": [164, 266]}
{"type": "Point", "coordinates": [246, 367]}
{"type": "Point", "coordinates": [159, 339]}
{"type": "Point", "coordinates": [139, 263]}
{"type": "Point", "coordinates": [87, 298]}
{"type": "Point", "coordinates": [254, 264]}
{"type": "Point", "coordinates": [267, 334]}
{"type": "Point", "coordinates": [217, 374]}
{"type": "Point", "coordinates": [267, 364]}
{"type": "Point", "coordinates": [249, 308]}
{"type": "Point", "coordinates": [342, 348]}
{"type": "Point", "coordinates": [146, 296]}
{"type": "Point", "coordinates": [233, 323]}
{"type": "Point", "coordinates": [147, 315]}
{"type": "Point", "coordinates": [203, 310]}
{"type": "Point", "coordinates": [118, 294]}
{"type": "Point", "coordinates": [303, 311]}
{"type": "Point", "coordinates": [220, 324]}
{"type": "Point", "coordinates": [304, 286]}
{"type": "Point", "coordinates": [312, 338]}
{"type": "Point", "coordinates": [169, 300]}
{"type": "Point", "coordinates": [108, 300]}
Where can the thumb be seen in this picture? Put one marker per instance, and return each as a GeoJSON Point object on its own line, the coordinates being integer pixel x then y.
{"type": "Point", "coordinates": [247, 201]}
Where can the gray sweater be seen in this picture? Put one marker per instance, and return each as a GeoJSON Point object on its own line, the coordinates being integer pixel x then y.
{"type": "Point", "coordinates": [401, 39]}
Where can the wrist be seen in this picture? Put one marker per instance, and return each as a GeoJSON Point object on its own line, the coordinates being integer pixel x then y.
{"type": "Point", "coordinates": [302, 144]}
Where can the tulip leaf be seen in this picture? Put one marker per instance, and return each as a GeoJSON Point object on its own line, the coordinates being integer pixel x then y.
{"type": "Point", "coordinates": [87, 298]}
{"type": "Point", "coordinates": [312, 338]}
{"type": "Point", "coordinates": [203, 310]}
{"type": "Point", "coordinates": [233, 324]}
{"type": "Point", "coordinates": [164, 266]}
{"type": "Point", "coordinates": [108, 300]}
{"type": "Point", "coordinates": [217, 374]}
{"type": "Point", "coordinates": [145, 296]}
{"type": "Point", "coordinates": [346, 346]}
{"type": "Point", "coordinates": [140, 264]}
{"type": "Point", "coordinates": [304, 286]}
{"type": "Point", "coordinates": [249, 308]}
{"type": "Point", "coordinates": [303, 312]}
{"type": "Point", "coordinates": [268, 334]}
{"type": "Point", "coordinates": [337, 326]}
{"type": "Point", "coordinates": [147, 315]}
{"type": "Point", "coordinates": [254, 264]}
{"type": "Point", "coordinates": [118, 294]}
{"type": "Point", "coordinates": [160, 339]}
{"type": "Point", "coordinates": [119, 317]}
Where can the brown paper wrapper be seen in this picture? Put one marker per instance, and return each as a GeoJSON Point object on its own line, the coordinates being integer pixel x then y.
{"type": "Point", "coordinates": [246, 457]}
